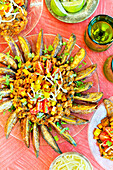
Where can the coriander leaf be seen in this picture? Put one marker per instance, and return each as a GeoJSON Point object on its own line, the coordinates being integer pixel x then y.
{"type": "Point", "coordinates": [71, 59]}
{"type": "Point", "coordinates": [84, 63]}
{"type": "Point", "coordinates": [50, 48]}
{"type": "Point", "coordinates": [56, 138]}
{"type": "Point", "coordinates": [63, 123]}
{"type": "Point", "coordinates": [80, 66]}
{"type": "Point", "coordinates": [16, 10]}
{"type": "Point", "coordinates": [11, 87]}
{"type": "Point", "coordinates": [78, 94]}
{"type": "Point", "coordinates": [19, 64]}
{"type": "Point", "coordinates": [45, 49]}
{"type": "Point", "coordinates": [109, 143]}
{"type": "Point", "coordinates": [79, 83]}
{"type": "Point", "coordinates": [30, 122]}
{"type": "Point", "coordinates": [8, 66]}
{"type": "Point", "coordinates": [50, 129]}
{"type": "Point", "coordinates": [58, 124]}
{"type": "Point", "coordinates": [44, 59]}
{"type": "Point", "coordinates": [66, 54]}
{"type": "Point", "coordinates": [17, 58]}
{"type": "Point", "coordinates": [64, 43]}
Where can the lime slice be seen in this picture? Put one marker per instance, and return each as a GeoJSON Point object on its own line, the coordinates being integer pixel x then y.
{"type": "Point", "coordinates": [74, 6]}
{"type": "Point", "coordinates": [57, 8]}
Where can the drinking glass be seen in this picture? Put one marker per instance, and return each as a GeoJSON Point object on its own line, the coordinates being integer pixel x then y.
{"type": "Point", "coordinates": [99, 33]}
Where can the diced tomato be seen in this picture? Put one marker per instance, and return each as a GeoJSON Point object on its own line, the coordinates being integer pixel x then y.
{"type": "Point", "coordinates": [40, 67]}
{"type": "Point", "coordinates": [59, 82]}
{"type": "Point", "coordinates": [103, 136]}
{"type": "Point", "coordinates": [109, 130]}
{"type": "Point", "coordinates": [48, 66]}
{"type": "Point", "coordinates": [21, 3]}
{"type": "Point", "coordinates": [39, 106]}
{"type": "Point", "coordinates": [45, 106]}
{"type": "Point", "coordinates": [55, 71]}
{"type": "Point", "coordinates": [104, 144]}
{"type": "Point", "coordinates": [33, 111]}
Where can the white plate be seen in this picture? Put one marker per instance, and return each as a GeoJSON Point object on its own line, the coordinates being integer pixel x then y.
{"type": "Point", "coordinates": [96, 119]}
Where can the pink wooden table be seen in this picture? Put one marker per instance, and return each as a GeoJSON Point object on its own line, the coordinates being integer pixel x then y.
{"type": "Point", "coordinates": [13, 153]}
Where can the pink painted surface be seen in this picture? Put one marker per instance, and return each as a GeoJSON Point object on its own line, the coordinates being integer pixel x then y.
{"type": "Point", "coordinates": [13, 153]}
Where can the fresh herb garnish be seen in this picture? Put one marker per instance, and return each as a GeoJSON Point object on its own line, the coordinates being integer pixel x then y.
{"type": "Point", "coordinates": [109, 143]}
{"type": "Point", "coordinates": [11, 87]}
{"type": "Point", "coordinates": [66, 54]}
{"type": "Point", "coordinates": [63, 123]}
{"type": "Point", "coordinates": [79, 83]}
{"type": "Point", "coordinates": [71, 59]}
{"type": "Point", "coordinates": [44, 59]}
{"type": "Point", "coordinates": [45, 49]}
{"type": "Point", "coordinates": [8, 54]}
{"type": "Point", "coordinates": [7, 79]}
{"type": "Point", "coordinates": [80, 66]}
{"type": "Point", "coordinates": [8, 66]}
{"type": "Point", "coordinates": [111, 132]}
{"type": "Point", "coordinates": [19, 61]}
{"type": "Point", "coordinates": [50, 48]}
{"type": "Point", "coordinates": [16, 10]}
{"type": "Point", "coordinates": [17, 58]}
{"type": "Point", "coordinates": [1, 95]}
{"type": "Point", "coordinates": [58, 124]}
{"type": "Point", "coordinates": [82, 86]}
{"type": "Point", "coordinates": [30, 122]}
{"type": "Point", "coordinates": [84, 63]}
{"type": "Point", "coordinates": [63, 130]}
{"type": "Point", "coordinates": [67, 62]}
{"type": "Point", "coordinates": [64, 43]}
{"type": "Point", "coordinates": [19, 64]}
{"type": "Point", "coordinates": [56, 138]}
{"type": "Point", "coordinates": [12, 108]}
{"type": "Point", "coordinates": [50, 129]}
{"type": "Point", "coordinates": [78, 94]}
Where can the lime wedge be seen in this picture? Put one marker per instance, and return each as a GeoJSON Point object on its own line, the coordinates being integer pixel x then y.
{"type": "Point", "coordinates": [74, 6]}
{"type": "Point", "coordinates": [57, 8]}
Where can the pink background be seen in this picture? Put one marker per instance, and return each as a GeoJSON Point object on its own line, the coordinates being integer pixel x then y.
{"type": "Point", "coordinates": [13, 153]}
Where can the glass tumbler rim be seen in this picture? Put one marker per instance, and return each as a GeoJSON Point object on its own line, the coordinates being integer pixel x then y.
{"type": "Point", "coordinates": [93, 21]}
